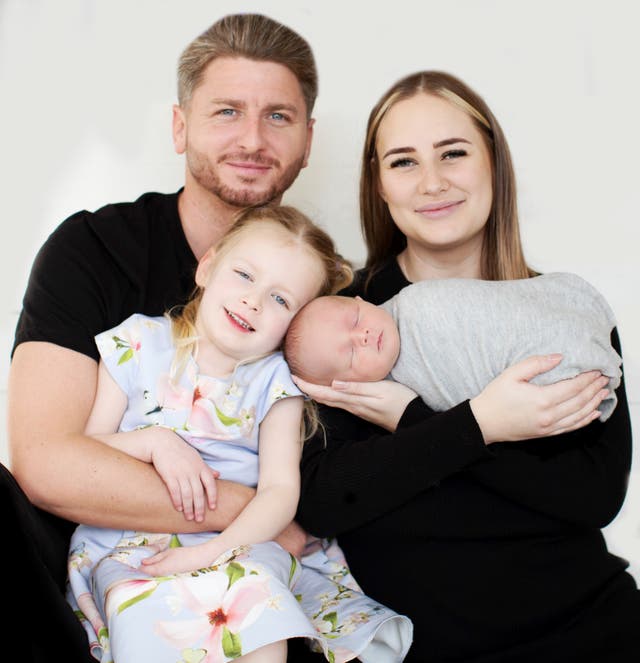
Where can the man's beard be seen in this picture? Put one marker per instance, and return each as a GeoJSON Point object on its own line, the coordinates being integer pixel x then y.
{"type": "Point", "coordinates": [208, 178]}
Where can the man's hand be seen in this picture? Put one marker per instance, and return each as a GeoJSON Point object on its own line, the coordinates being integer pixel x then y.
{"type": "Point", "coordinates": [293, 539]}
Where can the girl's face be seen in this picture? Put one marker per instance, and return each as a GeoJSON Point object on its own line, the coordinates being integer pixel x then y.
{"type": "Point", "coordinates": [251, 292]}
{"type": "Point", "coordinates": [435, 175]}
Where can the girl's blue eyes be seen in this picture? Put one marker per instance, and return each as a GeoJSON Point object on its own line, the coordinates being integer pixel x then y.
{"type": "Point", "coordinates": [277, 298]}
{"type": "Point", "coordinates": [280, 300]}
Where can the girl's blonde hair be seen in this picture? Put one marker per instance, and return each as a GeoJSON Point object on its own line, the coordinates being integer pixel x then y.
{"type": "Point", "coordinates": [502, 254]}
{"type": "Point", "coordinates": [338, 274]}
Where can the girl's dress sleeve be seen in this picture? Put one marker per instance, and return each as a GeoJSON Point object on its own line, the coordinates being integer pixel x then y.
{"type": "Point", "coordinates": [276, 383]}
{"type": "Point", "coordinates": [121, 348]}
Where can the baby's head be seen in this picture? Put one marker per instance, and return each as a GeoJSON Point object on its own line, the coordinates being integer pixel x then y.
{"type": "Point", "coordinates": [341, 338]}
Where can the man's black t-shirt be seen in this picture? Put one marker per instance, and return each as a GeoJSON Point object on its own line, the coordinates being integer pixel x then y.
{"type": "Point", "coordinates": [97, 268]}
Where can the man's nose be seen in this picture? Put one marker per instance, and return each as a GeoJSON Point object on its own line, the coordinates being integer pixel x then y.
{"type": "Point", "coordinates": [251, 137]}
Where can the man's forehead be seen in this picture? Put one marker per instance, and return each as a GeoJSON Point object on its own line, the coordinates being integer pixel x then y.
{"type": "Point", "coordinates": [256, 82]}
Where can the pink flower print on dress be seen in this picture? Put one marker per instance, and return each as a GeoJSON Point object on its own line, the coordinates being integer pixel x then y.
{"type": "Point", "coordinates": [125, 340]}
{"type": "Point", "coordinates": [127, 593]}
{"type": "Point", "coordinates": [198, 400]}
{"type": "Point", "coordinates": [221, 611]}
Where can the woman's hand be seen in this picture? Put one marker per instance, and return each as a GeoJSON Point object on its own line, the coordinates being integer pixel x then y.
{"type": "Point", "coordinates": [509, 408]}
{"type": "Point", "coordinates": [189, 480]}
{"type": "Point", "coordinates": [381, 403]}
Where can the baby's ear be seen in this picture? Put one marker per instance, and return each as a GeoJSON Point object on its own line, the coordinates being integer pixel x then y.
{"type": "Point", "coordinates": [204, 267]}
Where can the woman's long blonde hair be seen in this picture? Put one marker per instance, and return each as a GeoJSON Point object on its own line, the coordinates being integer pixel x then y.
{"type": "Point", "coordinates": [502, 254]}
{"type": "Point", "coordinates": [338, 274]}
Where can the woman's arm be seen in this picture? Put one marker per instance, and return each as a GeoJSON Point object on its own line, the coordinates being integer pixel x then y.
{"type": "Point", "coordinates": [353, 471]}
{"type": "Point", "coordinates": [273, 506]}
{"type": "Point", "coordinates": [580, 477]}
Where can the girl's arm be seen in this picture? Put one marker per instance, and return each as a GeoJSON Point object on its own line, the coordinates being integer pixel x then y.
{"type": "Point", "coordinates": [273, 506]}
{"type": "Point", "coordinates": [189, 480]}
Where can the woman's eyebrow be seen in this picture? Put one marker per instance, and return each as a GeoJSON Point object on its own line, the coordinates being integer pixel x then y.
{"type": "Point", "coordinates": [451, 141]}
{"type": "Point", "coordinates": [440, 143]}
{"type": "Point", "coordinates": [398, 150]}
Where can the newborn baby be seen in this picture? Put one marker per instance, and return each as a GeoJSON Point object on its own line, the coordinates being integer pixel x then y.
{"type": "Point", "coordinates": [447, 339]}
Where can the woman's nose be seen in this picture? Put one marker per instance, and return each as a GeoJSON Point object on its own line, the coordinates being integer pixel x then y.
{"type": "Point", "coordinates": [433, 181]}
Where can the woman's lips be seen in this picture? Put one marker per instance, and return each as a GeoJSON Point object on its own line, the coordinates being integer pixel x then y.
{"type": "Point", "coordinates": [438, 210]}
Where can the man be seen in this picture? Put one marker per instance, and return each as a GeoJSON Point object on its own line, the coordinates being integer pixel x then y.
{"type": "Point", "coordinates": [246, 90]}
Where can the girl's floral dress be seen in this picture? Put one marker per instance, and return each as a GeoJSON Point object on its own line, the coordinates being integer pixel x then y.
{"type": "Point", "coordinates": [253, 595]}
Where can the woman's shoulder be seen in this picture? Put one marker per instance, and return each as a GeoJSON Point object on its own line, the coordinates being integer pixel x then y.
{"type": "Point", "coordinates": [379, 283]}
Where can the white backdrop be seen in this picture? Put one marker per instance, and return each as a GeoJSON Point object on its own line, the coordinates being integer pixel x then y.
{"type": "Point", "coordinates": [87, 88]}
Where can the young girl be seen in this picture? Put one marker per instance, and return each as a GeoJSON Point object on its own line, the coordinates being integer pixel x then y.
{"type": "Point", "coordinates": [213, 374]}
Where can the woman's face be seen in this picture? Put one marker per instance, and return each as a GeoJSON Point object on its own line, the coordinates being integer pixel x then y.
{"type": "Point", "coordinates": [435, 175]}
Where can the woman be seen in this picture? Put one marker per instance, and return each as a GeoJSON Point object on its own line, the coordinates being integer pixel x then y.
{"type": "Point", "coordinates": [492, 541]}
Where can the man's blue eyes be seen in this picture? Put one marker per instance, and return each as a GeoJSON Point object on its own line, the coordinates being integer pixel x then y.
{"type": "Point", "coordinates": [230, 112]}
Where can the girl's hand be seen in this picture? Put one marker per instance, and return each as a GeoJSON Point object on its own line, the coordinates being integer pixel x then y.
{"type": "Point", "coordinates": [509, 408]}
{"type": "Point", "coordinates": [381, 403]}
{"type": "Point", "coordinates": [177, 560]}
{"type": "Point", "coordinates": [189, 480]}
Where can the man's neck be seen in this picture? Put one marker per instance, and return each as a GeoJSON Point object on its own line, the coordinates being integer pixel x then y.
{"type": "Point", "coordinates": [204, 217]}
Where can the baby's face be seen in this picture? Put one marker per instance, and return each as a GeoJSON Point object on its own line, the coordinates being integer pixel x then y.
{"type": "Point", "coordinates": [350, 339]}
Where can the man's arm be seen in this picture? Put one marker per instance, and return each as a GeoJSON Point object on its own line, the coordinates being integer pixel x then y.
{"type": "Point", "coordinates": [51, 392]}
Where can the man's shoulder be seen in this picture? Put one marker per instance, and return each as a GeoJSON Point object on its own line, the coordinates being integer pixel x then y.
{"type": "Point", "coordinates": [113, 219]}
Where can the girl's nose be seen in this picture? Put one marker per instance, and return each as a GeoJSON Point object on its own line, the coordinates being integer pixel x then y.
{"type": "Point", "coordinates": [252, 300]}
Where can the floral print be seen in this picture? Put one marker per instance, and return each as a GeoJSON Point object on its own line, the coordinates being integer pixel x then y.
{"type": "Point", "coordinates": [255, 594]}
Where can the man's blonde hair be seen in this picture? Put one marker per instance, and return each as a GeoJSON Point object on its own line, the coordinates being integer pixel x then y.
{"type": "Point", "coordinates": [251, 36]}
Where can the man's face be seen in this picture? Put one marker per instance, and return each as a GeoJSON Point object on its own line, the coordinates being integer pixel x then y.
{"type": "Point", "coordinates": [244, 131]}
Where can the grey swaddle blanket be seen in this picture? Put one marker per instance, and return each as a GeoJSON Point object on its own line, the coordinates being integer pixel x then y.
{"type": "Point", "coordinates": [458, 334]}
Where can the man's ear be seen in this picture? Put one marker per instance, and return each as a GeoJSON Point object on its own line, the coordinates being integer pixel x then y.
{"type": "Point", "coordinates": [204, 267]}
{"type": "Point", "coordinates": [179, 129]}
{"type": "Point", "coordinates": [307, 151]}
